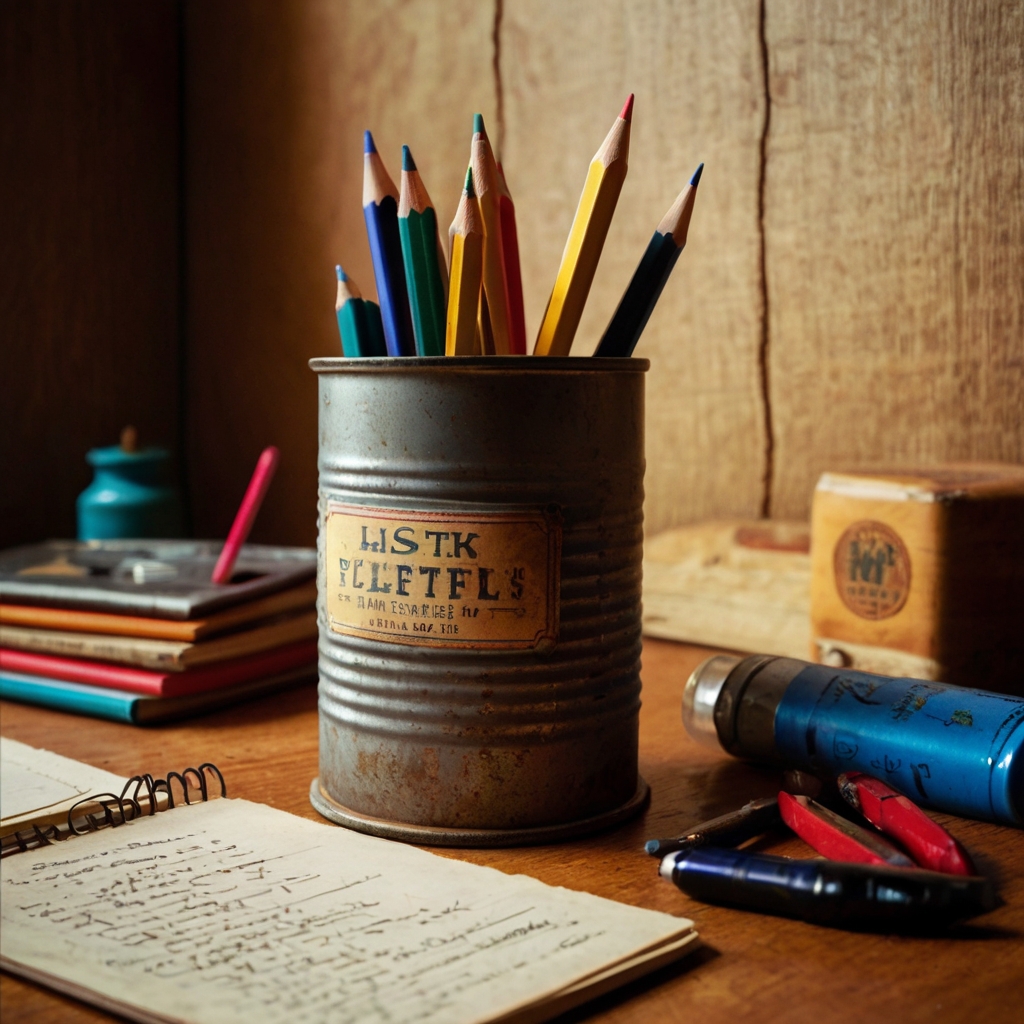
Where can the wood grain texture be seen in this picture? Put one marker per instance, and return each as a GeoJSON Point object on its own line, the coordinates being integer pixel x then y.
{"type": "Point", "coordinates": [88, 247]}
{"type": "Point", "coordinates": [894, 230]}
{"type": "Point", "coordinates": [754, 968]}
{"type": "Point", "coordinates": [278, 97]}
{"type": "Point", "coordinates": [696, 70]}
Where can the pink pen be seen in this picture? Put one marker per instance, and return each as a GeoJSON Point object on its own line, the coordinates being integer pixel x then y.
{"type": "Point", "coordinates": [246, 515]}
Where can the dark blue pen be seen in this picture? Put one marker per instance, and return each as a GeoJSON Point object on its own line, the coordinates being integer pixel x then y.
{"type": "Point", "coordinates": [826, 892]}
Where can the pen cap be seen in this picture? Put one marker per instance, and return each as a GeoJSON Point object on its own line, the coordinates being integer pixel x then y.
{"type": "Point", "coordinates": [701, 694]}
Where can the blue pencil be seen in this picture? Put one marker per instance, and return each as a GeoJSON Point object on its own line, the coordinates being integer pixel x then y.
{"type": "Point", "coordinates": [380, 207]}
{"type": "Point", "coordinates": [649, 278]}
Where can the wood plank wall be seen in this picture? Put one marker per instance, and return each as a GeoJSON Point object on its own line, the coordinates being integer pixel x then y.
{"type": "Point", "coordinates": [851, 292]}
{"type": "Point", "coordinates": [89, 217]}
{"type": "Point", "coordinates": [851, 288]}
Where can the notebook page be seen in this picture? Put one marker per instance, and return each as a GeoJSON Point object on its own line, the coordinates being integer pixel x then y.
{"type": "Point", "coordinates": [232, 912]}
{"type": "Point", "coordinates": [38, 785]}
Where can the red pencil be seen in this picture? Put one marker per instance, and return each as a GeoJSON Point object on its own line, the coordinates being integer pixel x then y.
{"type": "Point", "coordinates": [513, 273]}
{"type": "Point", "coordinates": [246, 515]}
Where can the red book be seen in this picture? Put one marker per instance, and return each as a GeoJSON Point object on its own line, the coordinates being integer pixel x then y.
{"type": "Point", "coordinates": [161, 684]}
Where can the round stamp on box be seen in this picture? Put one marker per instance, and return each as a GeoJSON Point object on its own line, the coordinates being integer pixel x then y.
{"type": "Point", "coordinates": [872, 569]}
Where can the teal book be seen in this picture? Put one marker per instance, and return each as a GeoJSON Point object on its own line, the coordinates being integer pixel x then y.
{"type": "Point", "coordinates": [118, 706]}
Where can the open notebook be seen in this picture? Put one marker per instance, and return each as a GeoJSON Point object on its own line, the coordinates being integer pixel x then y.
{"type": "Point", "coordinates": [230, 911]}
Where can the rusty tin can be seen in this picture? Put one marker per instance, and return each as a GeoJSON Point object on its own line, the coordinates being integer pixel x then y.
{"type": "Point", "coordinates": [479, 588]}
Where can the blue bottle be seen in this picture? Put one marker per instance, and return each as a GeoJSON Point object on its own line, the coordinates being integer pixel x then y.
{"type": "Point", "coordinates": [129, 495]}
{"type": "Point", "coordinates": [947, 747]}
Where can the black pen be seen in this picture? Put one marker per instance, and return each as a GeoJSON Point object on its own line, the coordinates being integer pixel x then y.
{"type": "Point", "coordinates": [827, 892]}
{"type": "Point", "coordinates": [752, 819]}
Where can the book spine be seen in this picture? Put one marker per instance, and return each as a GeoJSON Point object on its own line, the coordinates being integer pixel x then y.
{"type": "Point", "coordinates": [72, 697]}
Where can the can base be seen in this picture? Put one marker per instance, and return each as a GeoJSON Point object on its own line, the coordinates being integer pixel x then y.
{"type": "Point", "coordinates": [426, 835]}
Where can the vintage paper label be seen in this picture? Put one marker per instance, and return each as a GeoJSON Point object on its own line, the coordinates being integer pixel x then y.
{"type": "Point", "coordinates": [443, 579]}
{"type": "Point", "coordinates": [872, 569]}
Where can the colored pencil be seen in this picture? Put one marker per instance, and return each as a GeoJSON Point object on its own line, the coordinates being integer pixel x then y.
{"type": "Point", "coordinates": [485, 181]}
{"type": "Point", "coordinates": [358, 325]}
{"type": "Point", "coordinates": [513, 271]}
{"type": "Point", "coordinates": [424, 271]}
{"type": "Point", "coordinates": [586, 239]}
{"type": "Point", "coordinates": [640, 298]}
{"type": "Point", "coordinates": [380, 208]}
{"type": "Point", "coordinates": [465, 243]}
{"type": "Point", "coordinates": [246, 515]}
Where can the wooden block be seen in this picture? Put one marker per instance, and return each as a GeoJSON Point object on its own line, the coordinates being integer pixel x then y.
{"type": "Point", "coordinates": [738, 584]}
{"type": "Point", "coordinates": [921, 573]}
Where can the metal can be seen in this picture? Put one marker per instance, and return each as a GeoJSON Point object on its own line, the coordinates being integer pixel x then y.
{"type": "Point", "coordinates": [479, 588]}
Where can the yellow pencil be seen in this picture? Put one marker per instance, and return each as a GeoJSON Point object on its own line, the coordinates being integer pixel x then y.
{"type": "Point", "coordinates": [488, 191]}
{"type": "Point", "coordinates": [586, 239]}
{"type": "Point", "coordinates": [465, 243]}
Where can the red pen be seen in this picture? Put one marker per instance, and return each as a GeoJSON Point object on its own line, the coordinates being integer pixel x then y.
{"type": "Point", "coordinates": [246, 515]}
{"type": "Point", "coordinates": [835, 837]}
{"type": "Point", "coordinates": [891, 812]}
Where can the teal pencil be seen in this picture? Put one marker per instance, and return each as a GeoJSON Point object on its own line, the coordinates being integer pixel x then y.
{"type": "Point", "coordinates": [425, 274]}
{"type": "Point", "coordinates": [359, 321]}
{"type": "Point", "coordinates": [640, 298]}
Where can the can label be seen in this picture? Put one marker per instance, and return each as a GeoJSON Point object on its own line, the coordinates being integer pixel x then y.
{"type": "Point", "coordinates": [443, 579]}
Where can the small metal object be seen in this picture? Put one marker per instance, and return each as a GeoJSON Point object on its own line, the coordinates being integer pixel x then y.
{"type": "Point", "coordinates": [835, 837]}
{"type": "Point", "coordinates": [947, 747]}
{"type": "Point", "coordinates": [931, 845]}
{"type": "Point", "coordinates": [480, 547]}
{"type": "Point", "coordinates": [752, 819]}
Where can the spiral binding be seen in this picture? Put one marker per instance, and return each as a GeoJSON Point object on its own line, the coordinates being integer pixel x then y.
{"type": "Point", "coordinates": [114, 811]}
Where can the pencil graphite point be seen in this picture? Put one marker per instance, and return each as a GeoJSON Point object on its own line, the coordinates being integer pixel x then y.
{"type": "Point", "coordinates": [468, 186]}
{"type": "Point", "coordinates": [695, 180]}
{"type": "Point", "coordinates": [478, 124]}
{"type": "Point", "coordinates": [342, 276]}
{"type": "Point", "coordinates": [627, 109]}
{"type": "Point", "coordinates": [368, 146]}
{"type": "Point", "coordinates": [408, 164]}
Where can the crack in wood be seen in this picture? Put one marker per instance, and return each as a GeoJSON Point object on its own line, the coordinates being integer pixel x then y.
{"type": "Point", "coordinates": [765, 339]}
{"type": "Point", "coordinates": [499, 93]}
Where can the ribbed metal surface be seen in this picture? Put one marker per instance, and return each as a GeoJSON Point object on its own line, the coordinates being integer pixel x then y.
{"type": "Point", "coordinates": [470, 739]}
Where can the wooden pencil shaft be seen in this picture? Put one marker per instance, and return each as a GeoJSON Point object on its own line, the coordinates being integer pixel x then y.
{"type": "Point", "coordinates": [418, 233]}
{"type": "Point", "coordinates": [641, 296]}
{"type": "Point", "coordinates": [355, 335]}
{"type": "Point", "coordinates": [376, 346]}
{"type": "Point", "coordinates": [513, 276]}
{"type": "Point", "coordinates": [583, 247]}
{"type": "Point", "coordinates": [389, 273]}
{"type": "Point", "coordinates": [464, 294]}
{"type": "Point", "coordinates": [485, 180]}
{"type": "Point", "coordinates": [579, 261]}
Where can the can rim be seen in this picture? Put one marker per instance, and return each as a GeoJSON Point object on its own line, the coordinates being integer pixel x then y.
{"type": "Point", "coordinates": [502, 364]}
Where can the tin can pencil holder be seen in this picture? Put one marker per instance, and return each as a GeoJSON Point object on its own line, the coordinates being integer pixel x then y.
{"type": "Point", "coordinates": [479, 588]}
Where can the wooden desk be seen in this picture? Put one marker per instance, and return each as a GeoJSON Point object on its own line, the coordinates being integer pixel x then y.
{"type": "Point", "coordinates": [752, 967]}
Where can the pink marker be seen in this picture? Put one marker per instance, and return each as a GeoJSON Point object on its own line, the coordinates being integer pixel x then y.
{"type": "Point", "coordinates": [246, 515]}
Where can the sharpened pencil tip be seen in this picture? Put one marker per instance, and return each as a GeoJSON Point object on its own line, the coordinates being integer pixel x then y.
{"type": "Point", "coordinates": [408, 164]}
{"type": "Point", "coordinates": [478, 124]}
{"type": "Point", "coordinates": [627, 109]}
{"type": "Point", "coordinates": [695, 180]}
{"type": "Point", "coordinates": [468, 186]}
{"type": "Point", "coordinates": [652, 846]}
{"type": "Point", "coordinates": [342, 276]}
{"type": "Point", "coordinates": [368, 146]}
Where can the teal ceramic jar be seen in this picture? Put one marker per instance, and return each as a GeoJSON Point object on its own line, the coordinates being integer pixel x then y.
{"type": "Point", "coordinates": [129, 496]}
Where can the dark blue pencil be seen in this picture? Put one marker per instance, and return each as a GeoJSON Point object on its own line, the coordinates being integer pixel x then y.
{"type": "Point", "coordinates": [380, 208]}
{"type": "Point", "coordinates": [640, 298]}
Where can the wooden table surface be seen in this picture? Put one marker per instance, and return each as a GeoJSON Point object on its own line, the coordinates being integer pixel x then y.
{"type": "Point", "coordinates": [751, 967]}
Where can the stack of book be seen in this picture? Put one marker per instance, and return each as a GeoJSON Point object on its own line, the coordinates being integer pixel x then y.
{"type": "Point", "coordinates": [136, 632]}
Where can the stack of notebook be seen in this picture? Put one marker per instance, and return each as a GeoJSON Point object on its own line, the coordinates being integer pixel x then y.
{"type": "Point", "coordinates": [134, 631]}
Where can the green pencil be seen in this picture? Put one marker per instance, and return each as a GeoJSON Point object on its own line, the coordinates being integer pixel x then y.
{"type": "Point", "coordinates": [425, 271]}
{"type": "Point", "coordinates": [359, 321]}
